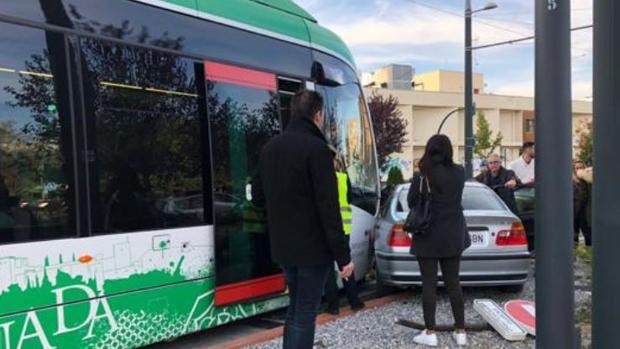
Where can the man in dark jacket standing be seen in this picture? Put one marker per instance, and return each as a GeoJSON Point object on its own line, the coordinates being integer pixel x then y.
{"type": "Point", "coordinates": [501, 180]}
{"type": "Point", "coordinates": [296, 184]}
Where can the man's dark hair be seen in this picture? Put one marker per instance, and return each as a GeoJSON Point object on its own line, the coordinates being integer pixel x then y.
{"type": "Point", "coordinates": [305, 104]}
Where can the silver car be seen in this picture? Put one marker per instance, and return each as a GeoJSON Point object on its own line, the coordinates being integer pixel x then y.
{"type": "Point", "coordinates": [498, 255]}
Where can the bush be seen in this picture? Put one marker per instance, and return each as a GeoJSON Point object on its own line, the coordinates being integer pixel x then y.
{"type": "Point", "coordinates": [395, 176]}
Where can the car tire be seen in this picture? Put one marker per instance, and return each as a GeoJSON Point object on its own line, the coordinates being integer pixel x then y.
{"type": "Point", "coordinates": [512, 288]}
{"type": "Point", "coordinates": [382, 289]}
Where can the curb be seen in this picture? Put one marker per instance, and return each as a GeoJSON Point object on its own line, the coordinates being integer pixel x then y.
{"type": "Point", "coordinates": [322, 319]}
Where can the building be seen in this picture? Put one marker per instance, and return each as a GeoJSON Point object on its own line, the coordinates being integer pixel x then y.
{"type": "Point", "coordinates": [393, 77]}
{"type": "Point", "coordinates": [437, 93]}
{"type": "Point", "coordinates": [447, 81]}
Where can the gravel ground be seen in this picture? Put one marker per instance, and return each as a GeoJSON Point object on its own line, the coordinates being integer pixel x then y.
{"type": "Point", "coordinates": [377, 329]}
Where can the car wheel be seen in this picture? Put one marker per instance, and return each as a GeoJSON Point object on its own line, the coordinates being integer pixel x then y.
{"type": "Point", "coordinates": [511, 288]}
{"type": "Point", "coordinates": [382, 288]}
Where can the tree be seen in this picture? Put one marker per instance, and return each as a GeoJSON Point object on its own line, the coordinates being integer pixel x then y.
{"type": "Point", "coordinates": [584, 143]}
{"type": "Point", "coordinates": [485, 144]}
{"type": "Point", "coordinates": [395, 176]}
{"type": "Point", "coordinates": [389, 127]}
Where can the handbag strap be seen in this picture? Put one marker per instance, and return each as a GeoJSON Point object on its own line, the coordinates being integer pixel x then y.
{"type": "Point", "coordinates": [428, 186]}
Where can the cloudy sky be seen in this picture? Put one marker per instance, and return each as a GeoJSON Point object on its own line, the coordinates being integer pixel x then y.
{"type": "Point", "coordinates": [428, 34]}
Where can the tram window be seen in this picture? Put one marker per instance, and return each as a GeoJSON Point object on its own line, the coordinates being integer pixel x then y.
{"type": "Point", "coordinates": [36, 161]}
{"type": "Point", "coordinates": [286, 89]}
{"type": "Point", "coordinates": [145, 132]}
{"type": "Point", "coordinates": [347, 127]}
{"type": "Point", "coordinates": [242, 120]}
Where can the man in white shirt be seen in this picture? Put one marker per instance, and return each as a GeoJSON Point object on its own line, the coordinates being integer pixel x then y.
{"type": "Point", "coordinates": [524, 165]}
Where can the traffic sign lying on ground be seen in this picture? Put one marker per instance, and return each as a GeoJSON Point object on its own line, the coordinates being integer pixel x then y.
{"type": "Point", "coordinates": [523, 313]}
{"type": "Point", "coordinates": [501, 322]}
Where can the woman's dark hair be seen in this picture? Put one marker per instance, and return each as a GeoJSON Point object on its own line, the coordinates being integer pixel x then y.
{"type": "Point", "coordinates": [305, 104]}
{"type": "Point", "coordinates": [438, 151]}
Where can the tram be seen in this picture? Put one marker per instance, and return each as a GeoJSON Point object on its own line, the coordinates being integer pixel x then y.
{"type": "Point", "coordinates": [129, 135]}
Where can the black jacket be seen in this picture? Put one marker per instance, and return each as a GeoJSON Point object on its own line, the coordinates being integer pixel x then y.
{"type": "Point", "coordinates": [448, 236]}
{"type": "Point", "coordinates": [297, 186]}
{"type": "Point", "coordinates": [497, 184]}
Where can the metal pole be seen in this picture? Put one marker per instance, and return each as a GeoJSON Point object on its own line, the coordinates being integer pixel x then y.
{"type": "Point", "coordinates": [606, 205]}
{"type": "Point", "coordinates": [555, 303]}
{"type": "Point", "coordinates": [469, 112]}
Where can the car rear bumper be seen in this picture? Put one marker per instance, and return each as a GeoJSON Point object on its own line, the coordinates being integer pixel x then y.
{"type": "Point", "coordinates": [398, 269]}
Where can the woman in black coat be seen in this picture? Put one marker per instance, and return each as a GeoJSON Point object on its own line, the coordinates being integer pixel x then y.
{"type": "Point", "coordinates": [447, 237]}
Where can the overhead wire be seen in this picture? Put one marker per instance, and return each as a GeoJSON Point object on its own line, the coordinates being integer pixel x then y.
{"type": "Point", "coordinates": [492, 25]}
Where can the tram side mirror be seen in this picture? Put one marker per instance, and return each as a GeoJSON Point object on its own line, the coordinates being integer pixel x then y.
{"type": "Point", "coordinates": [327, 75]}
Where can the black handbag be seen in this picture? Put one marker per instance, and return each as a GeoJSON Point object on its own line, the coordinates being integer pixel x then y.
{"type": "Point", "coordinates": [418, 220]}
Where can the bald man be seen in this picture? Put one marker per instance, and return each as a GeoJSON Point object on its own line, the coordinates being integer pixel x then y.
{"type": "Point", "coordinates": [502, 180]}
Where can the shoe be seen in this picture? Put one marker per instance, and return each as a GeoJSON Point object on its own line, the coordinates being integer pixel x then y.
{"type": "Point", "coordinates": [460, 338]}
{"type": "Point", "coordinates": [426, 339]}
{"type": "Point", "coordinates": [333, 311]}
{"type": "Point", "coordinates": [358, 306]}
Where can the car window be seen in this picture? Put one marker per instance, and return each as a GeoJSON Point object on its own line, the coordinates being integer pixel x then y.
{"type": "Point", "coordinates": [476, 198]}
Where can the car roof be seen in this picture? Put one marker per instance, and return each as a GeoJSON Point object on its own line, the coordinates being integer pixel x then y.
{"type": "Point", "coordinates": [469, 184]}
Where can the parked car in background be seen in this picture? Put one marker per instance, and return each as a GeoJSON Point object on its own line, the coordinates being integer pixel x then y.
{"type": "Point", "coordinates": [526, 205]}
{"type": "Point", "coordinates": [498, 255]}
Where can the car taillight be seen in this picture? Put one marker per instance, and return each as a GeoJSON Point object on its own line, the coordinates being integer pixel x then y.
{"type": "Point", "coordinates": [513, 237]}
{"type": "Point", "coordinates": [398, 237]}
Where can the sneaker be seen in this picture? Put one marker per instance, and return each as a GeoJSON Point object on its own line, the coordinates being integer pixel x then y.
{"type": "Point", "coordinates": [460, 338]}
{"type": "Point", "coordinates": [358, 306]}
{"type": "Point", "coordinates": [426, 339]}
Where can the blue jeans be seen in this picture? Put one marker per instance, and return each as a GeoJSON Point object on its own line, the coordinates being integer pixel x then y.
{"type": "Point", "coordinates": [305, 285]}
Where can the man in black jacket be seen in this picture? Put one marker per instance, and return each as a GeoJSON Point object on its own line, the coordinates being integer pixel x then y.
{"type": "Point", "coordinates": [501, 180]}
{"type": "Point", "coordinates": [296, 184]}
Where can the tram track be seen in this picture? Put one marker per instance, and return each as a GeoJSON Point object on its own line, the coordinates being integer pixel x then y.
{"type": "Point", "coordinates": [266, 326]}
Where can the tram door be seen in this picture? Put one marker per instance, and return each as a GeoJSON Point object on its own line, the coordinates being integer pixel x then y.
{"type": "Point", "coordinates": [243, 113]}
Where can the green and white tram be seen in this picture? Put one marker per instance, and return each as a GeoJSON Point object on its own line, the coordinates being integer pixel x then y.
{"type": "Point", "coordinates": [129, 134]}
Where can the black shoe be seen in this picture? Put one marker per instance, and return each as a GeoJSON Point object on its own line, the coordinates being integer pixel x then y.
{"type": "Point", "coordinates": [358, 306]}
{"type": "Point", "coordinates": [333, 311]}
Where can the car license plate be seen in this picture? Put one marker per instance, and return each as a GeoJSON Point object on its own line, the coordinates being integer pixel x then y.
{"type": "Point", "coordinates": [479, 239]}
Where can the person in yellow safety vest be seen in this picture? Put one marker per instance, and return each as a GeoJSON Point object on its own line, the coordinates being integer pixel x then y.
{"type": "Point", "coordinates": [346, 211]}
{"type": "Point", "coordinates": [253, 217]}
{"type": "Point", "coordinates": [255, 228]}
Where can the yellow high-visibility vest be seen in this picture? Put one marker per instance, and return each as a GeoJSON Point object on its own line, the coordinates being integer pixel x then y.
{"type": "Point", "coordinates": [346, 210]}
{"type": "Point", "coordinates": [253, 219]}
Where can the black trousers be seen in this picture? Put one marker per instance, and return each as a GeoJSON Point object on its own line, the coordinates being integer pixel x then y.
{"type": "Point", "coordinates": [331, 289]}
{"type": "Point", "coordinates": [450, 272]}
{"type": "Point", "coordinates": [581, 224]}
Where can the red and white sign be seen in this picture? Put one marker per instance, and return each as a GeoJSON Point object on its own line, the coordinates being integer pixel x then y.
{"type": "Point", "coordinates": [523, 313]}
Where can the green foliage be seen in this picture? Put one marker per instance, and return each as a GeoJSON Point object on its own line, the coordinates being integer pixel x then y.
{"type": "Point", "coordinates": [584, 254]}
{"type": "Point", "coordinates": [389, 126]}
{"type": "Point", "coordinates": [584, 143]}
{"type": "Point", "coordinates": [485, 143]}
{"type": "Point", "coordinates": [395, 176]}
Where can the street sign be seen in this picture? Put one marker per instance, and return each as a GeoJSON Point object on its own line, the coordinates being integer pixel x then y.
{"type": "Point", "coordinates": [523, 313]}
{"type": "Point", "coordinates": [502, 323]}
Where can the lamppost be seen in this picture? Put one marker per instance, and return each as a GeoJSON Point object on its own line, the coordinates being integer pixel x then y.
{"type": "Point", "coordinates": [446, 118]}
{"type": "Point", "coordinates": [469, 97]}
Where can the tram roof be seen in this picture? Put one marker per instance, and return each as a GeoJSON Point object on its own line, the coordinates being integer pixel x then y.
{"type": "Point", "coordinates": [282, 19]}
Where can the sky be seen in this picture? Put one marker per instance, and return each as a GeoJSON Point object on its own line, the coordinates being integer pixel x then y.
{"type": "Point", "coordinates": [428, 35]}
